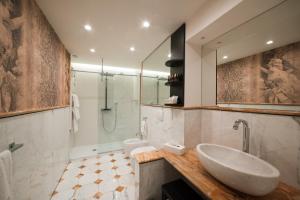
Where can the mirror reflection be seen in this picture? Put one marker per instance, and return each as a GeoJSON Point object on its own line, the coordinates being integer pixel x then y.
{"type": "Point", "coordinates": [155, 75]}
{"type": "Point", "coordinates": [258, 63]}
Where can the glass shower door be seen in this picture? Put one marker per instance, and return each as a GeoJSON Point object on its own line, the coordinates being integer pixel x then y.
{"type": "Point", "coordinates": [109, 111]}
{"type": "Point", "coordinates": [118, 109]}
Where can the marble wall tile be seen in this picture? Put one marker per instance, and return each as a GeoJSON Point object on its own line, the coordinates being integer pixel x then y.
{"type": "Point", "coordinates": [164, 125]}
{"type": "Point", "coordinates": [273, 138]}
{"type": "Point", "coordinates": [39, 164]}
{"type": "Point", "coordinates": [192, 128]}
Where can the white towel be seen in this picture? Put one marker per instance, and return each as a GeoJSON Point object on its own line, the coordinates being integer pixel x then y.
{"type": "Point", "coordinates": [75, 112]}
{"type": "Point", "coordinates": [75, 100]}
{"type": "Point", "coordinates": [6, 175]}
{"type": "Point", "coordinates": [144, 128]}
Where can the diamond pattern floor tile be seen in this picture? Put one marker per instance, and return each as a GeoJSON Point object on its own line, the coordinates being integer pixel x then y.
{"type": "Point", "coordinates": [100, 177]}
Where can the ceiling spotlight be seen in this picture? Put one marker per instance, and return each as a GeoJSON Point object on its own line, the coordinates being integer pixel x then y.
{"type": "Point", "coordinates": [169, 55]}
{"type": "Point", "coordinates": [269, 42]}
{"type": "Point", "coordinates": [88, 27]}
{"type": "Point", "coordinates": [92, 50]}
{"type": "Point", "coordinates": [225, 57]}
{"type": "Point", "coordinates": [146, 24]}
{"type": "Point", "coordinates": [132, 48]}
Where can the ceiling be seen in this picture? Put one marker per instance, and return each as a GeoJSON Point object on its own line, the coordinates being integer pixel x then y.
{"type": "Point", "coordinates": [117, 25]}
{"type": "Point", "coordinates": [279, 24]}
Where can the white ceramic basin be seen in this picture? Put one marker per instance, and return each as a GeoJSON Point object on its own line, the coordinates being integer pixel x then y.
{"type": "Point", "coordinates": [239, 170]}
{"type": "Point", "coordinates": [133, 143]}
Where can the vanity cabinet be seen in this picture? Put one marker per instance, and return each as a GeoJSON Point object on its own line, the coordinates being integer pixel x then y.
{"type": "Point", "coordinates": [179, 190]}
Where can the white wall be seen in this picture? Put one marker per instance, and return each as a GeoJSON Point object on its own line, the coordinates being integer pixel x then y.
{"type": "Point", "coordinates": [40, 163]}
{"type": "Point", "coordinates": [192, 85]}
{"type": "Point", "coordinates": [208, 78]}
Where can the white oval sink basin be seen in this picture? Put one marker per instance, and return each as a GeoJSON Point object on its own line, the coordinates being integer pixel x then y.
{"type": "Point", "coordinates": [239, 170]}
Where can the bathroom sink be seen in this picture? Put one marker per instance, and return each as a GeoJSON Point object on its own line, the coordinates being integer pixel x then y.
{"type": "Point", "coordinates": [133, 143]}
{"type": "Point", "coordinates": [239, 170]}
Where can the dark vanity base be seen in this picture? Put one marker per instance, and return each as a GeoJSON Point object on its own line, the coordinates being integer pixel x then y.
{"type": "Point", "coordinates": [179, 190]}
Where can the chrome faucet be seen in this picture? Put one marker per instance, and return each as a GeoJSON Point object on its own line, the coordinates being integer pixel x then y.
{"type": "Point", "coordinates": [246, 133]}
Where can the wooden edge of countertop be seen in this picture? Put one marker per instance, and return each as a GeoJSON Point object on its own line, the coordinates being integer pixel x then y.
{"type": "Point", "coordinates": [190, 167]}
{"type": "Point", "coordinates": [231, 109]}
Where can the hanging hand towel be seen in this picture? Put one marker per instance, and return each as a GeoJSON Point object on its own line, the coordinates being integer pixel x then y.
{"type": "Point", "coordinates": [6, 175]}
{"type": "Point", "coordinates": [75, 100]}
{"type": "Point", "coordinates": [75, 112]}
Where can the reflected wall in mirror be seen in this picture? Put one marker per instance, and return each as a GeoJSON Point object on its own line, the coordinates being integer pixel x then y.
{"type": "Point", "coordinates": [155, 75]}
{"type": "Point", "coordinates": [258, 63]}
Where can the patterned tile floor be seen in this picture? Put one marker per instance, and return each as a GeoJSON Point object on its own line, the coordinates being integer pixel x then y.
{"type": "Point", "coordinates": [107, 176]}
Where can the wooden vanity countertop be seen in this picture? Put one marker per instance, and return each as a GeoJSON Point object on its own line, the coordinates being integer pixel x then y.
{"type": "Point", "coordinates": [191, 168]}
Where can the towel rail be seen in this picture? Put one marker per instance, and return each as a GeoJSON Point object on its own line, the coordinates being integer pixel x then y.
{"type": "Point", "coordinates": [13, 146]}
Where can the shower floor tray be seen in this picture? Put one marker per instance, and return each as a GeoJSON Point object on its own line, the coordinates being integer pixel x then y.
{"type": "Point", "coordinates": [92, 150]}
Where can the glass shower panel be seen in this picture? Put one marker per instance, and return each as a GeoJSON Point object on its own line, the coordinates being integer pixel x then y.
{"type": "Point", "coordinates": [109, 110]}
{"type": "Point", "coordinates": [121, 120]}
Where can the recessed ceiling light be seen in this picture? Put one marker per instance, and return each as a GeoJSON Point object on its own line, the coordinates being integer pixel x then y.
{"type": "Point", "coordinates": [92, 50]}
{"type": "Point", "coordinates": [146, 24]}
{"type": "Point", "coordinates": [88, 27]}
{"type": "Point", "coordinates": [270, 42]}
{"type": "Point", "coordinates": [132, 48]}
{"type": "Point", "coordinates": [225, 57]}
{"type": "Point", "coordinates": [169, 55]}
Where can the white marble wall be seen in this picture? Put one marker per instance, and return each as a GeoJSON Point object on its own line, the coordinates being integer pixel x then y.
{"type": "Point", "coordinates": [275, 139]}
{"type": "Point", "coordinates": [164, 125]}
{"type": "Point", "coordinates": [39, 164]}
{"type": "Point", "coordinates": [192, 128]}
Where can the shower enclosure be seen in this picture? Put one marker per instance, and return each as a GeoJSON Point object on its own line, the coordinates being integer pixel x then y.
{"type": "Point", "coordinates": [109, 111]}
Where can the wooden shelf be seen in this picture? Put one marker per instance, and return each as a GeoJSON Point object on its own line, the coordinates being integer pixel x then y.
{"type": "Point", "coordinates": [174, 83]}
{"type": "Point", "coordinates": [174, 63]}
{"type": "Point", "coordinates": [173, 104]}
{"type": "Point", "coordinates": [226, 109]}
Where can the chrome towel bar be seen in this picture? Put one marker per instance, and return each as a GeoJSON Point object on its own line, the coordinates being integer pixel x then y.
{"type": "Point", "coordinates": [13, 146]}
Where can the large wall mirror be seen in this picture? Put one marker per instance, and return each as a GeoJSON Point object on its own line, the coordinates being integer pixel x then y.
{"type": "Point", "coordinates": [155, 75]}
{"type": "Point", "coordinates": [258, 63]}
{"type": "Point", "coordinates": [162, 80]}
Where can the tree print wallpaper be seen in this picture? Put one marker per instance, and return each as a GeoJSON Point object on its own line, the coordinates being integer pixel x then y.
{"type": "Point", "coordinates": [270, 77]}
{"type": "Point", "coordinates": [34, 64]}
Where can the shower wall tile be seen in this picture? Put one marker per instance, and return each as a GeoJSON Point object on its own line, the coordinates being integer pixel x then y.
{"type": "Point", "coordinates": [40, 162]}
{"type": "Point", "coordinates": [164, 125]}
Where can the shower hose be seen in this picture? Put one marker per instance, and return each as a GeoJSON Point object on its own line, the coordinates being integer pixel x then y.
{"type": "Point", "coordinates": [115, 121]}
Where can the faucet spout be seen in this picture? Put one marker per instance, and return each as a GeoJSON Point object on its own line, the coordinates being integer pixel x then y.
{"type": "Point", "coordinates": [246, 133]}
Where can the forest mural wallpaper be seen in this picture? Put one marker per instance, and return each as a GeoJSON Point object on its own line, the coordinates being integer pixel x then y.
{"type": "Point", "coordinates": [270, 77]}
{"type": "Point", "coordinates": [34, 64]}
